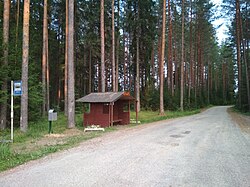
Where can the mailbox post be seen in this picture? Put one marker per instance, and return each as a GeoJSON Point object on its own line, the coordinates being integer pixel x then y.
{"type": "Point", "coordinates": [52, 116]}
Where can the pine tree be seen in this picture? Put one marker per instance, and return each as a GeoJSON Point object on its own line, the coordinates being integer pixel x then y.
{"type": "Point", "coordinates": [6, 20]}
{"type": "Point", "coordinates": [25, 62]}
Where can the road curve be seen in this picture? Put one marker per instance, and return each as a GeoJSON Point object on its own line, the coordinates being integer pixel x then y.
{"type": "Point", "coordinates": [206, 149]}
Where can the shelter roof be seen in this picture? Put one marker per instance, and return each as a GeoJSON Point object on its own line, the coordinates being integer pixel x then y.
{"type": "Point", "coordinates": [105, 97]}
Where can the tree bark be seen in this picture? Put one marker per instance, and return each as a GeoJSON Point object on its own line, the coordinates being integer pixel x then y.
{"type": "Point", "coordinates": [162, 58]}
{"type": "Point", "coordinates": [4, 87]}
{"type": "Point", "coordinates": [90, 70]}
{"type": "Point", "coordinates": [170, 62]}
{"type": "Point", "coordinates": [102, 48]}
{"type": "Point", "coordinates": [25, 63]}
{"type": "Point", "coordinates": [44, 58]}
{"type": "Point", "coordinates": [238, 50]}
{"type": "Point", "coordinates": [66, 61]}
{"type": "Point", "coordinates": [191, 79]}
{"type": "Point", "coordinates": [117, 49]}
{"type": "Point", "coordinates": [17, 29]}
{"type": "Point", "coordinates": [71, 73]}
{"type": "Point", "coordinates": [182, 56]}
{"type": "Point", "coordinates": [113, 47]}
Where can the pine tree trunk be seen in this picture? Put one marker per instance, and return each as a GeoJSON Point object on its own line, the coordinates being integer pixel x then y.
{"type": "Point", "coordinates": [4, 87]}
{"type": "Point", "coordinates": [90, 70]}
{"type": "Point", "coordinates": [102, 47]}
{"type": "Point", "coordinates": [138, 75]}
{"type": "Point", "coordinates": [17, 29]}
{"type": "Point", "coordinates": [25, 63]}
{"type": "Point", "coordinates": [182, 57]}
{"type": "Point", "coordinates": [238, 51]}
{"type": "Point", "coordinates": [190, 84]}
{"type": "Point", "coordinates": [170, 63]}
{"type": "Point", "coordinates": [162, 58]}
{"type": "Point", "coordinates": [66, 61]}
{"type": "Point", "coordinates": [71, 73]}
{"type": "Point", "coordinates": [44, 57]}
{"type": "Point", "coordinates": [113, 46]}
{"type": "Point", "coordinates": [117, 48]}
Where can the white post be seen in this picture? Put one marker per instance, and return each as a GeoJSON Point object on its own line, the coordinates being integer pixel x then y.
{"type": "Point", "coordinates": [12, 112]}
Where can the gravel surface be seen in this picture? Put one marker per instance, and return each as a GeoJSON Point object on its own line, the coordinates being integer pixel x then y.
{"type": "Point", "coordinates": [206, 149]}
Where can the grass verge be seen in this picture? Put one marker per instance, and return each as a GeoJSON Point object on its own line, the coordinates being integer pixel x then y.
{"type": "Point", "coordinates": [36, 143]}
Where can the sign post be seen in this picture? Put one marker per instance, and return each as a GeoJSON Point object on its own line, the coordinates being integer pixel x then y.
{"type": "Point", "coordinates": [12, 114]}
{"type": "Point", "coordinates": [16, 90]}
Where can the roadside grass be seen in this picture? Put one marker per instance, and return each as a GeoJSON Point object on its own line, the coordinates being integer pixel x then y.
{"type": "Point", "coordinates": [37, 143]}
{"type": "Point", "coordinates": [152, 116]}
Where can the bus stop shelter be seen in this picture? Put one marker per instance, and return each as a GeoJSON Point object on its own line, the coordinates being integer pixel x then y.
{"type": "Point", "coordinates": [106, 109]}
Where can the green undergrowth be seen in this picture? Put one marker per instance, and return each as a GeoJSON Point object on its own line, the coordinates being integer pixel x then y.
{"type": "Point", "coordinates": [36, 143]}
{"type": "Point", "coordinates": [235, 109]}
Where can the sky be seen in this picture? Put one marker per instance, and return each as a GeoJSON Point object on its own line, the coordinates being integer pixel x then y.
{"type": "Point", "coordinates": [220, 32]}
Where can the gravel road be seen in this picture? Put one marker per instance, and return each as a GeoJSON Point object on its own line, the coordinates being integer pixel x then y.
{"type": "Point", "coordinates": [206, 149]}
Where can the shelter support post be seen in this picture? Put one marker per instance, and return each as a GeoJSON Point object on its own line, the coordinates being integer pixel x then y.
{"type": "Point", "coordinates": [112, 114]}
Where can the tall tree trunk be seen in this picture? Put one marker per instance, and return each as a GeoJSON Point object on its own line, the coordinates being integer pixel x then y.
{"type": "Point", "coordinates": [6, 20]}
{"type": "Point", "coordinates": [17, 29]}
{"type": "Point", "coordinates": [153, 62]}
{"type": "Point", "coordinates": [102, 47]}
{"type": "Point", "coordinates": [117, 48]}
{"type": "Point", "coordinates": [137, 79]}
{"type": "Point", "coordinates": [66, 61]}
{"type": "Point", "coordinates": [44, 57]}
{"type": "Point", "coordinates": [90, 70]}
{"type": "Point", "coordinates": [25, 63]}
{"type": "Point", "coordinates": [162, 57]}
{"type": "Point", "coordinates": [191, 79]}
{"type": "Point", "coordinates": [238, 51]}
{"type": "Point", "coordinates": [71, 73]}
{"type": "Point", "coordinates": [182, 56]}
{"type": "Point", "coordinates": [113, 47]}
{"type": "Point", "coordinates": [170, 62]}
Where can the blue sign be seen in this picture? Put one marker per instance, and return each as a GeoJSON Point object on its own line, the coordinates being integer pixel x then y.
{"type": "Point", "coordinates": [17, 88]}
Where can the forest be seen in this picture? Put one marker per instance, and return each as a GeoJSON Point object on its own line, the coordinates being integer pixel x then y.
{"type": "Point", "coordinates": [165, 53]}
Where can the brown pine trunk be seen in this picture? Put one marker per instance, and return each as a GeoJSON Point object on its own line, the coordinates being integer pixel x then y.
{"type": "Point", "coordinates": [90, 70]}
{"type": "Point", "coordinates": [113, 46]}
{"type": "Point", "coordinates": [117, 49]}
{"type": "Point", "coordinates": [170, 63]}
{"type": "Point", "coordinates": [153, 63]}
{"type": "Point", "coordinates": [191, 76]}
{"type": "Point", "coordinates": [71, 73]}
{"type": "Point", "coordinates": [25, 63]}
{"type": "Point", "coordinates": [44, 58]}
{"type": "Point", "coordinates": [238, 50]}
{"type": "Point", "coordinates": [162, 58]}
{"type": "Point", "coordinates": [6, 19]}
{"type": "Point", "coordinates": [17, 28]}
{"type": "Point", "coordinates": [102, 47]}
{"type": "Point", "coordinates": [66, 61]}
{"type": "Point", "coordinates": [182, 58]}
{"type": "Point", "coordinates": [137, 78]}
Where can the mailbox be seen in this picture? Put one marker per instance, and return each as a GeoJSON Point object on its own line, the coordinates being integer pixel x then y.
{"type": "Point", "coordinates": [52, 115]}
